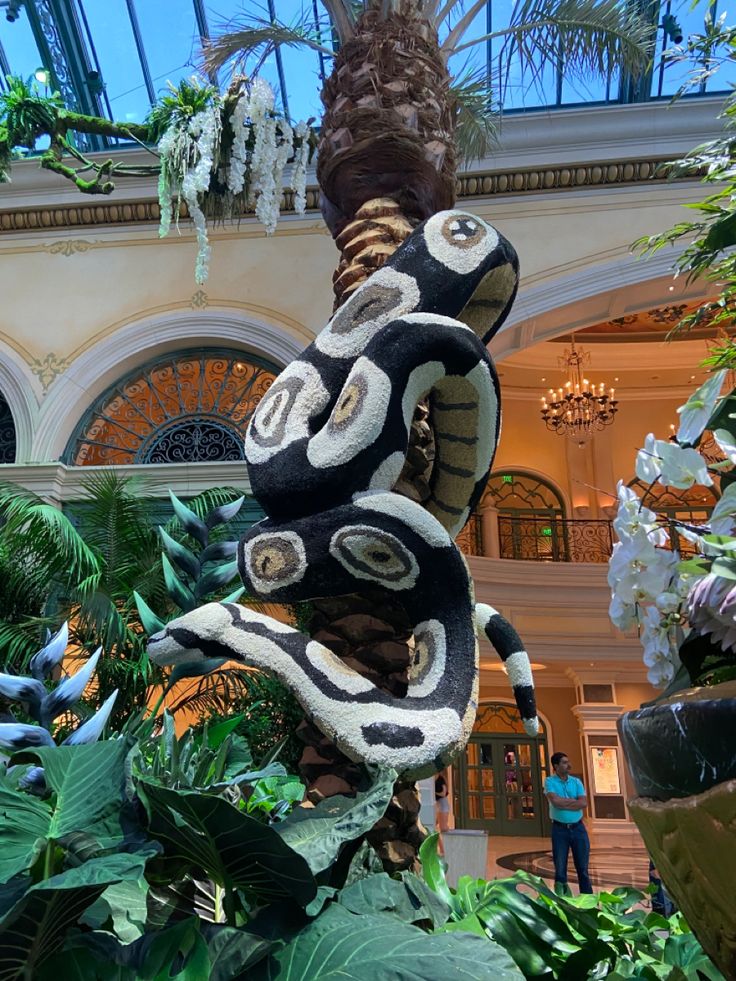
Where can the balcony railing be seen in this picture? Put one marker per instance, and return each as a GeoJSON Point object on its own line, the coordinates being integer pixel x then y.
{"type": "Point", "coordinates": [542, 539]}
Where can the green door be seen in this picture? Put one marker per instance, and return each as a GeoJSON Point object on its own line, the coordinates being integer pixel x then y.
{"type": "Point", "coordinates": [499, 787]}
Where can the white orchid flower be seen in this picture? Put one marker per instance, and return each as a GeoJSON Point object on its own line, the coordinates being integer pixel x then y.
{"type": "Point", "coordinates": [722, 519]}
{"type": "Point", "coordinates": [648, 460]}
{"type": "Point", "coordinates": [682, 467]}
{"type": "Point", "coordinates": [696, 412]}
{"type": "Point", "coordinates": [623, 615]}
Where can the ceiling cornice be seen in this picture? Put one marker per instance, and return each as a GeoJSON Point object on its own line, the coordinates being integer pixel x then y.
{"type": "Point", "coordinates": [84, 212]}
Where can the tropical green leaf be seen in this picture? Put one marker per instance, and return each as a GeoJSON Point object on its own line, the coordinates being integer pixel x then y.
{"type": "Point", "coordinates": [24, 824]}
{"type": "Point", "coordinates": [150, 622]}
{"type": "Point", "coordinates": [70, 772]}
{"type": "Point", "coordinates": [225, 512]}
{"type": "Point", "coordinates": [216, 579]}
{"type": "Point", "coordinates": [318, 833]}
{"type": "Point", "coordinates": [409, 899]}
{"type": "Point", "coordinates": [37, 924]}
{"type": "Point", "coordinates": [181, 594]}
{"type": "Point", "coordinates": [178, 553]}
{"type": "Point", "coordinates": [189, 521]}
{"type": "Point", "coordinates": [341, 944]}
{"type": "Point", "coordinates": [218, 551]}
{"type": "Point", "coordinates": [234, 849]}
{"type": "Point", "coordinates": [231, 951]}
{"type": "Point", "coordinates": [433, 868]}
{"type": "Point", "coordinates": [124, 904]}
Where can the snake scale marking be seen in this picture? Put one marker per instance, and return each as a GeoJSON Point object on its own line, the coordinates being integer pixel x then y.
{"type": "Point", "coordinates": [324, 449]}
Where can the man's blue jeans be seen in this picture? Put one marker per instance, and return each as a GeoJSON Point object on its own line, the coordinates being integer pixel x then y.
{"type": "Point", "coordinates": [566, 837]}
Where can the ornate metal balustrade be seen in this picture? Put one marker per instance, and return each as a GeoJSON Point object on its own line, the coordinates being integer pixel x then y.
{"type": "Point", "coordinates": [469, 540]}
{"type": "Point", "coordinates": [541, 539]}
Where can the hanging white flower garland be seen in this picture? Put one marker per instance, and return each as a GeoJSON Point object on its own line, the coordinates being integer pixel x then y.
{"type": "Point", "coordinates": [262, 144]}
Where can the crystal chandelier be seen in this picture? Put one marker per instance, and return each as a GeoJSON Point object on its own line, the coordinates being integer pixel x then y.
{"type": "Point", "coordinates": [580, 408]}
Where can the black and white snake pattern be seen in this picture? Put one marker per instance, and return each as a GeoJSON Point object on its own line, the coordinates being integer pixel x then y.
{"type": "Point", "coordinates": [324, 449]}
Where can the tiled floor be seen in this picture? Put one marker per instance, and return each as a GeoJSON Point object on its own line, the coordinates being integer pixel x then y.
{"type": "Point", "coordinates": [609, 867]}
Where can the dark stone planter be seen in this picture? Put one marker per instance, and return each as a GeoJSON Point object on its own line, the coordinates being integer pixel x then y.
{"type": "Point", "coordinates": [684, 745]}
{"type": "Point", "coordinates": [682, 757]}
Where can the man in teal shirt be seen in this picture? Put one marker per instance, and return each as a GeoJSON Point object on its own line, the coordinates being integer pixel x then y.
{"type": "Point", "coordinates": [566, 796]}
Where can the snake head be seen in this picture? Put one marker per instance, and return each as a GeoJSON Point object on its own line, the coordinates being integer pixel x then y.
{"type": "Point", "coordinates": [194, 637]}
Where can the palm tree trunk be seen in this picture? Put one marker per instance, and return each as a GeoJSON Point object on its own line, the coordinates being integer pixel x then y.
{"type": "Point", "coordinates": [386, 162]}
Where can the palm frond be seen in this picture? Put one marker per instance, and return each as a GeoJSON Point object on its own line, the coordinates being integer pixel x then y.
{"type": "Point", "coordinates": [213, 693]}
{"type": "Point", "coordinates": [476, 133]}
{"type": "Point", "coordinates": [584, 37]}
{"type": "Point", "coordinates": [462, 25]}
{"type": "Point", "coordinates": [258, 37]}
{"type": "Point", "coordinates": [40, 528]}
{"type": "Point", "coordinates": [343, 14]}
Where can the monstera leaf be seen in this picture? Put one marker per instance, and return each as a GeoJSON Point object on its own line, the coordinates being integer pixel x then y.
{"type": "Point", "coordinates": [319, 833]}
{"type": "Point", "coordinates": [234, 849]}
{"type": "Point", "coordinates": [36, 925]}
{"type": "Point", "coordinates": [340, 944]}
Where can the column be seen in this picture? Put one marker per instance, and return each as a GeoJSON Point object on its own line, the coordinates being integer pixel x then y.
{"type": "Point", "coordinates": [490, 539]}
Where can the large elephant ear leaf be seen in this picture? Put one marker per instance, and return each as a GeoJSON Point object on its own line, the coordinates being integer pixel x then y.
{"type": "Point", "coordinates": [190, 522]}
{"type": "Point", "coordinates": [318, 833]}
{"type": "Point", "coordinates": [340, 944]}
{"type": "Point", "coordinates": [36, 926]}
{"type": "Point", "coordinates": [232, 847]}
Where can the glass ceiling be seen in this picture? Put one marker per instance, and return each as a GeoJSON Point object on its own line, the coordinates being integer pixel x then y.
{"type": "Point", "coordinates": [113, 57]}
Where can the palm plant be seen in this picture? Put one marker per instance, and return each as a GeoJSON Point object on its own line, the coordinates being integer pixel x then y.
{"type": "Point", "coordinates": [401, 112]}
{"type": "Point", "coordinates": [86, 565]}
{"type": "Point", "coordinates": [402, 109]}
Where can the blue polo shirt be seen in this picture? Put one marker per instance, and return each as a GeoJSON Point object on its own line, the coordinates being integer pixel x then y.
{"type": "Point", "coordinates": [570, 788]}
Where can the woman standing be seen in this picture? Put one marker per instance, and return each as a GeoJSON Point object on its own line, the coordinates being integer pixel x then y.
{"type": "Point", "coordinates": [441, 808]}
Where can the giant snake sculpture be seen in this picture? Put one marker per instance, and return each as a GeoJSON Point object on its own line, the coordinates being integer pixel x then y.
{"type": "Point", "coordinates": [324, 449]}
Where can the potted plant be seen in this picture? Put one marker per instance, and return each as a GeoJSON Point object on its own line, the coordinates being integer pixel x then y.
{"type": "Point", "coordinates": [681, 748]}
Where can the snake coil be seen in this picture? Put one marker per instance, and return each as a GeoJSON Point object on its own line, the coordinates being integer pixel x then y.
{"type": "Point", "coordinates": [324, 449]}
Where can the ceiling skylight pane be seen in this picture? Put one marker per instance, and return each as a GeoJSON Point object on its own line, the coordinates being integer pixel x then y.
{"type": "Point", "coordinates": [20, 46]}
{"type": "Point", "coordinates": [121, 69]}
{"type": "Point", "coordinates": [171, 39]}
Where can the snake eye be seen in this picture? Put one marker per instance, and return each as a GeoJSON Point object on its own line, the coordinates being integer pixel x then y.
{"type": "Point", "coordinates": [369, 553]}
{"type": "Point", "coordinates": [460, 241]}
{"type": "Point", "coordinates": [463, 231]}
{"type": "Point", "coordinates": [274, 560]}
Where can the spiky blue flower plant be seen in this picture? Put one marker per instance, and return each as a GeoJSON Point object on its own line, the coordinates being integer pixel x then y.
{"type": "Point", "coordinates": [45, 704]}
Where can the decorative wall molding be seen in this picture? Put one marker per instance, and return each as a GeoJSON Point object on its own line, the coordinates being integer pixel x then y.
{"type": "Point", "coordinates": [533, 180]}
{"type": "Point", "coordinates": [199, 300]}
{"type": "Point", "coordinates": [101, 364]}
{"type": "Point", "coordinates": [48, 368]}
{"type": "Point", "coordinates": [69, 246]}
{"type": "Point", "coordinates": [17, 385]}
{"type": "Point", "coordinates": [58, 483]}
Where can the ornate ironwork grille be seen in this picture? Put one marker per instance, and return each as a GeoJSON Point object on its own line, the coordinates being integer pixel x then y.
{"type": "Point", "coordinates": [692, 507]}
{"type": "Point", "coordinates": [554, 540]}
{"type": "Point", "coordinates": [469, 539]}
{"type": "Point", "coordinates": [7, 433]}
{"type": "Point", "coordinates": [191, 407]}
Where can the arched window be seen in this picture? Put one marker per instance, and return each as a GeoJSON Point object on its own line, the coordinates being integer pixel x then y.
{"type": "Point", "coordinates": [7, 432]}
{"type": "Point", "coordinates": [514, 492]}
{"type": "Point", "coordinates": [189, 407]}
{"type": "Point", "coordinates": [531, 516]}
